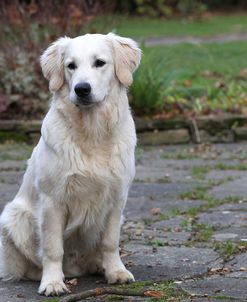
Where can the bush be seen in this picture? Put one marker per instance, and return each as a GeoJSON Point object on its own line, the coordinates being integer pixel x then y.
{"type": "Point", "coordinates": [166, 8]}
{"type": "Point", "coordinates": [27, 27]}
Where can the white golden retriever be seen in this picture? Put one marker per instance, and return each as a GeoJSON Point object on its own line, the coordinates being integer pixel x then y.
{"type": "Point", "coordinates": [65, 219]}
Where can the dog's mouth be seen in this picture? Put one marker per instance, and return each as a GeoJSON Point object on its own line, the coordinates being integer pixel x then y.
{"type": "Point", "coordinates": [85, 102]}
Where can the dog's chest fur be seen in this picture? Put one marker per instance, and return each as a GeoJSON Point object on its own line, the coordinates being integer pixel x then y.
{"type": "Point", "coordinates": [93, 183]}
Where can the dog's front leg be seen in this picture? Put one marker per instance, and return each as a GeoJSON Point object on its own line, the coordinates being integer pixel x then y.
{"type": "Point", "coordinates": [115, 271]}
{"type": "Point", "coordinates": [52, 223]}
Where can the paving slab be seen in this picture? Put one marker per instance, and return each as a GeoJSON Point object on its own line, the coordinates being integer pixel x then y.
{"type": "Point", "coordinates": [156, 174]}
{"type": "Point", "coordinates": [158, 237]}
{"type": "Point", "coordinates": [234, 288]}
{"type": "Point", "coordinates": [168, 263]}
{"type": "Point", "coordinates": [240, 262]}
{"type": "Point", "coordinates": [157, 246]}
{"type": "Point", "coordinates": [210, 299]}
{"type": "Point", "coordinates": [140, 207]}
{"type": "Point", "coordinates": [157, 190]}
{"type": "Point", "coordinates": [239, 206]}
{"type": "Point", "coordinates": [238, 274]}
{"type": "Point", "coordinates": [224, 219]}
{"type": "Point", "coordinates": [223, 174]}
{"type": "Point", "coordinates": [173, 223]}
{"type": "Point", "coordinates": [237, 187]}
{"type": "Point", "coordinates": [11, 165]}
{"type": "Point", "coordinates": [11, 177]}
{"type": "Point", "coordinates": [234, 234]}
{"type": "Point", "coordinates": [8, 192]}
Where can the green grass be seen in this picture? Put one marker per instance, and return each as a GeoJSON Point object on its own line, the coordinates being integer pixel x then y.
{"type": "Point", "coordinates": [203, 232]}
{"type": "Point", "coordinates": [226, 249]}
{"type": "Point", "coordinates": [156, 243]}
{"type": "Point", "coordinates": [199, 77]}
{"type": "Point", "coordinates": [199, 192]}
{"type": "Point", "coordinates": [199, 172]}
{"type": "Point", "coordinates": [139, 153]}
{"type": "Point", "coordinates": [170, 214]}
{"type": "Point", "coordinates": [239, 167]}
{"type": "Point", "coordinates": [169, 291]}
{"type": "Point", "coordinates": [143, 27]}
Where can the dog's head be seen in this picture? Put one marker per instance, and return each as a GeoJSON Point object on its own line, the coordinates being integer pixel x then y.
{"type": "Point", "coordinates": [89, 65]}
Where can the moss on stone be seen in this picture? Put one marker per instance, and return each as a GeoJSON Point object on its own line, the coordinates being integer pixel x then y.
{"type": "Point", "coordinates": [13, 136]}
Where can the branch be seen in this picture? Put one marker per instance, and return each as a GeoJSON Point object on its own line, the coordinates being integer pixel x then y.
{"type": "Point", "coordinates": [196, 131]}
{"type": "Point", "coordinates": [109, 291]}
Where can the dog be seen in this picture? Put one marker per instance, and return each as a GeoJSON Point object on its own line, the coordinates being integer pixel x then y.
{"type": "Point", "coordinates": [65, 219]}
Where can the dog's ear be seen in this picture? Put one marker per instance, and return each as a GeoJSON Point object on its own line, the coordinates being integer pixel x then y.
{"type": "Point", "coordinates": [51, 63]}
{"type": "Point", "coordinates": [127, 57]}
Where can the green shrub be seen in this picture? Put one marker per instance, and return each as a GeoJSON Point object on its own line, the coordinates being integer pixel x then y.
{"type": "Point", "coordinates": [191, 79]}
{"type": "Point", "coordinates": [22, 83]}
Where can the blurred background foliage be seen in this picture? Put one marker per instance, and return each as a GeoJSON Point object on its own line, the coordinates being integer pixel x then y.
{"type": "Point", "coordinates": [179, 79]}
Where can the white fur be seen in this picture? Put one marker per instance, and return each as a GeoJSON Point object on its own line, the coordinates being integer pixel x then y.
{"type": "Point", "coordinates": [65, 219]}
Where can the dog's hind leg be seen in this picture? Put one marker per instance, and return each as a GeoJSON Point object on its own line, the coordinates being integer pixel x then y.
{"type": "Point", "coordinates": [19, 246]}
{"type": "Point", "coordinates": [13, 264]}
{"type": "Point", "coordinates": [33, 273]}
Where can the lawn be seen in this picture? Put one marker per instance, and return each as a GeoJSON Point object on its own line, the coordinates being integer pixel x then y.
{"type": "Point", "coordinates": [188, 78]}
{"type": "Point", "coordinates": [141, 28]}
{"type": "Point", "coordinates": [172, 80]}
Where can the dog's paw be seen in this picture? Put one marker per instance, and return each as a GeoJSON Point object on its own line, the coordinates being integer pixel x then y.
{"type": "Point", "coordinates": [52, 288]}
{"type": "Point", "coordinates": [120, 277]}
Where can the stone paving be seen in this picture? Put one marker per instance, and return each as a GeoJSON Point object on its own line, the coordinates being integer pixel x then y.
{"type": "Point", "coordinates": [185, 227]}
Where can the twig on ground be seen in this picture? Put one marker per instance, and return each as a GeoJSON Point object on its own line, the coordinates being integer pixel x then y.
{"type": "Point", "coordinates": [110, 291]}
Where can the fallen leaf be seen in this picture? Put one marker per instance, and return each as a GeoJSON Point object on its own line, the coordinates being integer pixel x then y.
{"type": "Point", "coordinates": [187, 83]}
{"type": "Point", "coordinates": [138, 232]}
{"type": "Point", "coordinates": [220, 271]}
{"type": "Point", "coordinates": [72, 282]}
{"type": "Point", "coordinates": [98, 291]}
{"type": "Point", "coordinates": [153, 294]}
{"type": "Point", "coordinates": [243, 269]}
{"type": "Point", "coordinates": [243, 73]}
{"type": "Point", "coordinates": [155, 211]}
{"type": "Point", "coordinates": [242, 248]}
{"type": "Point", "coordinates": [220, 85]}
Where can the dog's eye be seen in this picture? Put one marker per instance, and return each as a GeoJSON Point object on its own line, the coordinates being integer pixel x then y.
{"type": "Point", "coordinates": [99, 63]}
{"type": "Point", "coordinates": [72, 66]}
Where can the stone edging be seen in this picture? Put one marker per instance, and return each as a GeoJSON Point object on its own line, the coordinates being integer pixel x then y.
{"type": "Point", "coordinates": [213, 129]}
{"type": "Point", "coordinates": [217, 129]}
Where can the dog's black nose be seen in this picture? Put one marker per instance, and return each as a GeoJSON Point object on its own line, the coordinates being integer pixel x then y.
{"type": "Point", "coordinates": [82, 89]}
